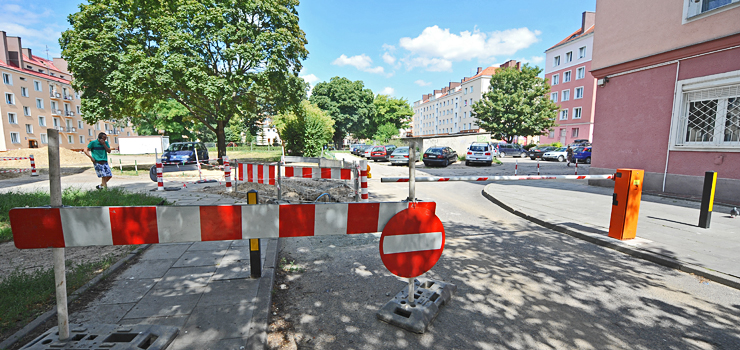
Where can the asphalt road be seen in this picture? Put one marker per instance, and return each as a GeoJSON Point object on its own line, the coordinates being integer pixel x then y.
{"type": "Point", "coordinates": [520, 286]}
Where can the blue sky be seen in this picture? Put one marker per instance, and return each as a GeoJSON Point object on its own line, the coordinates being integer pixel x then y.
{"type": "Point", "coordinates": [401, 48]}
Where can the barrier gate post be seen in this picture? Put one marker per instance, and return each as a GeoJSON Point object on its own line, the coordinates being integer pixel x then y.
{"type": "Point", "coordinates": [255, 263]}
{"type": "Point", "coordinates": [626, 203]}
{"type": "Point", "coordinates": [55, 194]}
{"type": "Point", "coordinates": [412, 174]}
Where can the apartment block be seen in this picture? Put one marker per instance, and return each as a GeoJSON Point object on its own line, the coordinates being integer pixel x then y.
{"type": "Point", "coordinates": [38, 96]}
{"type": "Point", "coordinates": [448, 110]}
{"type": "Point", "coordinates": [573, 88]}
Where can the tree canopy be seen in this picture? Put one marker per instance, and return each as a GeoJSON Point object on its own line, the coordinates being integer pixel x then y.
{"type": "Point", "coordinates": [348, 102]}
{"type": "Point", "coordinates": [389, 111]}
{"type": "Point", "coordinates": [306, 130]}
{"type": "Point", "coordinates": [518, 104]}
{"type": "Point", "coordinates": [217, 58]}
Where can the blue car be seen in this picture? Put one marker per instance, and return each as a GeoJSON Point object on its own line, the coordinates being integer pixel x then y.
{"type": "Point", "coordinates": [582, 155]}
{"type": "Point", "coordinates": [184, 153]}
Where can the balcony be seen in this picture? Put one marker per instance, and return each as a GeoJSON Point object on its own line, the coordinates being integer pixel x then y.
{"type": "Point", "coordinates": [69, 114]}
{"type": "Point", "coordinates": [68, 97]}
{"type": "Point", "coordinates": [55, 95]}
{"type": "Point", "coordinates": [71, 129]}
{"type": "Point", "coordinates": [56, 112]}
{"type": "Point", "coordinates": [59, 128]}
{"type": "Point", "coordinates": [113, 132]}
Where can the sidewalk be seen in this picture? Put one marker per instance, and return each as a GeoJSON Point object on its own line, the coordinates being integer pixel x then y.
{"type": "Point", "coordinates": [667, 231]}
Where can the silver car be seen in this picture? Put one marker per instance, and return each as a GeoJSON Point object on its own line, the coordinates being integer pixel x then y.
{"type": "Point", "coordinates": [401, 156]}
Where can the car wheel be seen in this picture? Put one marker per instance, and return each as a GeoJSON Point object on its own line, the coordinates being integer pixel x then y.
{"type": "Point", "coordinates": [561, 159]}
{"type": "Point", "coordinates": [588, 160]}
{"type": "Point", "coordinates": [502, 155]}
{"type": "Point", "coordinates": [447, 162]}
{"type": "Point", "coordinates": [375, 160]}
{"type": "Point", "coordinates": [489, 163]}
{"type": "Point", "coordinates": [533, 158]}
{"type": "Point", "coordinates": [425, 164]}
{"type": "Point", "coordinates": [467, 163]}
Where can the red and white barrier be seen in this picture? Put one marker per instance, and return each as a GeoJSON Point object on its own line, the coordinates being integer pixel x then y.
{"type": "Point", "coordinates": [259, 173]}
{"type": "Point", "coordinates": [318, 173]}
{"type": "Point", "coordinates": [160, 180]}
{"type": "Point", "coordinates": [498, 178]}
{"type": "Point", "coordinates": [99, 226]}
{"type": "Point", "coordinates": [227, 174]}
{"type": "Point", "coordinates": [363, 181]}
{"type": "Point", "coordinates": [32, 168]}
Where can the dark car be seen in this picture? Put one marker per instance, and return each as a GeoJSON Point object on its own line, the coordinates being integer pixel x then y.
{"type": "Point", "coordinates": [379, 153]}
{"type": "Point", "coordinates": [537, 152]}
{"type": "Point", "coordinates": [439, 156]}
{"type": "Point", "coordinates": [355, 149]}
{"type": "Point", "coordinates": [511, 150]}
{"type": "Point", "coordinates": [185, 153]}
{"type": "Point", "coordinates": [582, 155]}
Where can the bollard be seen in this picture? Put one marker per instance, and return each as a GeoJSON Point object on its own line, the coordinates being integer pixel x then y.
{"type": "Point", "coordinates": [707, 199]}
{"type": "Point", "coordinates": [538, 167]}
{"type": "Point", "coordinates": [160, 181]}
{"type": "Point", "coordinates": [136, 167]}
{"type": "Point", "coordinates": [356, 172]}
{"type": "Point", "coordinates": [120, 165]}
{"type": "Point", "coordinates": [227, 174]}
{"type": "Point", "coordinates": [576, 166]}
{"type": "Point", "coordinates": [363, 180]}
{"type": "Point", "coordinates": [255, 263]}
{"type": "Point", "coordinates": [33, 166]}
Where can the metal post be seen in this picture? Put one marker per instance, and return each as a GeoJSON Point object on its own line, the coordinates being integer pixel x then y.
{"type": "Point", "coordinates": [412, 171]}
{"type": "Point", "coordinates": [136, 167]}
{"type": "Point", "coordinates": [538, 167]}
{"type": "Point", "coordinates": [120, 166]}
{"type": "Point", "coordinates": [197, 161]}
{"type": "Point", "coordinates": [516, 167]}
{"type": "Point", "coordinates": [55, 194]}
{"type": "Point", "coordinates": [356, 171]}
{"type": "Point", "coordinates": [236, 175]}
{"type": "Point", "coordinates": [411, 291]}
{"type": "Point", "coordinates": [576, 166]}
{"type": "Point", "coordinates": [279, 181]}
{"type": "Point", "coordinates": [255, 261]}
{"type": "Point", "coordinates": [707, 199]}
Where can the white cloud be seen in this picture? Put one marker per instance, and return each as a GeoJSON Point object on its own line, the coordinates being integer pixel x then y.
{"type": "Point", "coordinates": [388, 58]}
{"type": "Point", "coordinates": [362, 62]}
{"type": "Point", "coordinates": [422, 83]}
{"type": "Point", "coordinates": [388, 91]}
{"type": "Point", "coordinates": [533, 60]}
{"type": "Point", "coordinates": [310, 78]}
{"type": "Point", "coordinates": [34, 25]}
{"type": "Point", "coordinates": [435, 48]}
{"type": "Point", "coordinates": [387, 47]}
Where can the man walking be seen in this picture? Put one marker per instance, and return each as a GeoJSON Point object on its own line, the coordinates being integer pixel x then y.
{"type": "Point", "coordinates": [100, 149]}
{"type": "Point", "coordinates": [569, 155]}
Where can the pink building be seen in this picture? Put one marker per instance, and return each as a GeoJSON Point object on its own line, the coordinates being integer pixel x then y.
{"type": "Point", "coordinates": [573, 88]}
{"type": "Point", "coordinates": [669, 92]}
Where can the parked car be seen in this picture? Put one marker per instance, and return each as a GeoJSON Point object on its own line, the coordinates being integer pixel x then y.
{"type": "Point", "coordinates": [537, 152]}
{"type": "Point", "coordinates": [582, 155]}
{"type": "Point", "coordinates": [354, 149]}
{"type": "Point", "coordinates": [511, 149]}
{"type": "Point", "coordinates": [439, 155]}
{"type": "Point", "coordinates": [401, 156]}
{"type": "Point", "coordinates": [560, 154]}
{"type": "Point", "coordinates": [380, 153]}
{"type": "Point", "coordinates": [366, 152]}
{"type": "Point", "coordinates": [479, 153]}
{"type": "Point", "coordinates": [184, 153]}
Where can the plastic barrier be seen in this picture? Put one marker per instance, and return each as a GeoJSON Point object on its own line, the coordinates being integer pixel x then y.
{"type": "Point", "coordinates": [32, 169]}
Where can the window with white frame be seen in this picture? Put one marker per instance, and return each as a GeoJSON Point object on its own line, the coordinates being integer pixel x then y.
{"type": "Point", "coordinates": [12, 118]}
{"type": "Point", "coordinates": [55, 121]}
{"type": "Point", "coordinates": [78, 110]}
{"type": "Point", "coordinates": [7, 79]}
{"type": "Point", "coordinates": [53, 106]}
{"type": "Point", "coordinates": [26, 111]}
{"type": "Point", "coordinates": [578, 93]}
{"type": "Point", "coordinates": [551, 134]}
{"type": "Point", "coordinates": [44, 138]}
{"type": "Point", "coordinates": [471, 89]}
{"type": "Point", "coordinates": [564, 114]}
{"type": "Point", "coordinates": [29, 129]}
{"type": "Point", "coordinates": [24, 91]}
{"type": "Point", "coordinates": [566, 76]}
{"type": "Point", "coordinates": [89, 132]}
{"type": "Point", "coordinates": [577, 113]}
{"type": "Point", "coordinates": [79, 124]}
{"type": "Point", "coordinates": [115, 139]}
{"type": "Point", "coordinates": [565, 95]}
{"type": "Point", "coordinates": [554, 96]}
{"type": "Point", "coordinates": [580, 73]}
{"type": "Point", "coordinates": [39, 103]}
{"type": "Point", "coordinates": [568, 56]}
{"type": "Point", "coordinates": [555, 79]}
{"type": "Point", "coordinates": [42, 121]}
{"type": "Point", "coordinates": [556, 61]}
{"type": "Point", "coordinates": [709, 113]}
{"type": "Point", "coordinates": [82, 139]}
{"type": "Point", "coordinates": [582, 52]}
{"type": "Point", "coordinates": [15, 137]}
{"type": "Point", "coordinates": [37, 85]}
{"type": "Point", "coordinates": [574, 131]}
{"type": "Point", "coordinates": [695, 8]}
{"type": "Point", "coordinates": [9, 98]}
{"type": "Point", "coordinates": [70, 139]}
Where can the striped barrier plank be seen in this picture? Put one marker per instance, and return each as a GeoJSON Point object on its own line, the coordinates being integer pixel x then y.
{"type": "Point", "coordinates": [46, 227]}
{"type": "Point", "coordinates": [258, 173]}
{"type": "Point", "coordinates": [318, 173]}
{"type": "Point", "coordinates": [32, 168]}
{"type": "Point", "coordinates": [498, 178]}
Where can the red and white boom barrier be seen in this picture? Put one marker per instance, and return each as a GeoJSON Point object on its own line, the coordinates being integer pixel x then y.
{"type": "Point", "coordinates": [32, 169]}
{"type": "Point", "coordinates": [100, 226]}
{"type": "Point", "coordinates": [318, 173]}
{"type": "Point", "coordinates": [497, 178]}
{"type": "Point", "coordinates": [227, 174]}
{"type": "Point", "coordinates": [259, 173]}
{"type": "Point", "coordinates": [160, 179]}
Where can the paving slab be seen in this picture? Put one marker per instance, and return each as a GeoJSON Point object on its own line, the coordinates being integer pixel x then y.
{"type": "Point", "coordinates": [130, 291]}
{"type": "Point", "coordinates": [165, 251]}
{"type": "Point", "coordinates": [148, 269]}
{"type": "Point", "coordinates": [200, 258]}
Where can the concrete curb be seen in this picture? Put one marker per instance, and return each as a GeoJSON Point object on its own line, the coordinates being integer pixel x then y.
{"type": "Point", "coordinates": [605, 241]}
{"type": "Point", "coordinates": [7, 343]}
{"type": "Point", "coordinates": [257, 336]}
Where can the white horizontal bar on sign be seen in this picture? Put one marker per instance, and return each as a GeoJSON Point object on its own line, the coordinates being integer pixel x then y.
{"type": "Point", "coordinates": [412, 242]}
{"type": "Point", "coordinates": [497, 178]}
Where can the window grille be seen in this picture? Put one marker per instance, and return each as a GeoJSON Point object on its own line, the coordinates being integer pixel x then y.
{"type": "Point", "coordinates": [710, 117]}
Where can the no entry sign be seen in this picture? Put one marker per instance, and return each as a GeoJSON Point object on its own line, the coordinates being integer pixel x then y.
{"type": "Point", "coordinates": [412, 242]}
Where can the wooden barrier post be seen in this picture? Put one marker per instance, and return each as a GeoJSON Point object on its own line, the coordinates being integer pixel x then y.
{"type": "Point", "coordinates": [55, 194]}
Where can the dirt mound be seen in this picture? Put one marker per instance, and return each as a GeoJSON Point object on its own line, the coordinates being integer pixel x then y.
{"type": "Point", "coordinates": [41, 157]}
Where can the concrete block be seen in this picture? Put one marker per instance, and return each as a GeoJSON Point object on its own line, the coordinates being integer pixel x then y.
{"type": "Point", "coordinates": [107, 336]}
{"type": "Point", "coordinates": [429, 296]}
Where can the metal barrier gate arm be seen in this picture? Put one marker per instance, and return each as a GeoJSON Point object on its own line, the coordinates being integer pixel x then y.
{"type": "Point", "coordinates": [497, 178]}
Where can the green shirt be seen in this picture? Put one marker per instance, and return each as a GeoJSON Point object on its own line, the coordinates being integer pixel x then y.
{"type": "Point", "coordinates": [98, 151]}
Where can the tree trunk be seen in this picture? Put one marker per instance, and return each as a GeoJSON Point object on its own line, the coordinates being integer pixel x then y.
{"type": "Point", "coordinates": [221, 141]}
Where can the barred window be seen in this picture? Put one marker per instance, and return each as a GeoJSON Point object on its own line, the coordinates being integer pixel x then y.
{"type": "Point", "coordinates": [710, 117]}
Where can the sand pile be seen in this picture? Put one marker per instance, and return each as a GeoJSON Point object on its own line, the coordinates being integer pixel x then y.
{"type": "Point", "coordinates": [41, 157]}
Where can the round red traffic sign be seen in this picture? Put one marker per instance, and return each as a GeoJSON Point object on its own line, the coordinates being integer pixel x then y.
{"type": "Point", "coordinates": [412, 242]}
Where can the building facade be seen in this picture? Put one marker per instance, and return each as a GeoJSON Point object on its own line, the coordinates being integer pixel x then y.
{"type": "Point", "coordinates": [668, 76]}
{"type": "Point", "coordinates": [448, 110]}
{"type": "Point", "coordinates": [37, 96]}
{"type": "Point", "coordinates": [573, 88]}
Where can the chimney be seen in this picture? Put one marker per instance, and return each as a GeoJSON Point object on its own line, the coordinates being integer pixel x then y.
{"type": "Point", "coordinates": [13, 45]}
{"type": "Point", "coordinates": [588, 19]}
{"type": "Point", "coordinates": [27, 52]}
{"type": "Point", "coordinates": [479, 70]}
{"type": "Point", "coordinates": [3, 48]}
{"type": "Point", "coordinates": [453, 85]}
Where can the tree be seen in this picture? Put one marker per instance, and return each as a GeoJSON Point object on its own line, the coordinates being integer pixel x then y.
{"type": "Point", "coordinates": [305, 131]}
{"type": "Point", "coordinates": [385, 132]}
{"type": "Point", "coordinates": [167, 118]}
{"type": "Point", "coordinates": [217, 58]}
{"type": "Point", "coordinates": [389, 111]}
{"type": "Point", "coordinates": [348, 102]}
{"type": "Point", "coordinates": [518, 104]}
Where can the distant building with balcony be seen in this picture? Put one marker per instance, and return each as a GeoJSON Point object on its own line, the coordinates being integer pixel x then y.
{"type": "Point", "coordinates": [573, 88]}
{"type": "Point", "coordinates": [37, 96]}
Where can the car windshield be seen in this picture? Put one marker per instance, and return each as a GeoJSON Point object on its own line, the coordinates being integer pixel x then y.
{"type": "Point", "coordinates": [401, 150]}
{"type": "Point", "coordinates": [434, 151]}
{"type": "Point", "coordinates": [180, 147]}
{"type": "Point", "coordinates": [479, 148]}
{"type": "Point", "coordinates": [378, 149]}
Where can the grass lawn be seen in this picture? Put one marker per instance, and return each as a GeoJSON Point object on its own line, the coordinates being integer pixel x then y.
{"type": "Point", "coordinates": [25, 295]}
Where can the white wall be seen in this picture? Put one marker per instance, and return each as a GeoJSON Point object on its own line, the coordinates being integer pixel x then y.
{"type": "Point", "coordinates": [142, 144]}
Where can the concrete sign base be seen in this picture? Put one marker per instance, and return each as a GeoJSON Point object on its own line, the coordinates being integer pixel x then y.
{"type": "Point", "coordinates": [429, 296]}
{"type": "Point", "coordinates": [106, 336]}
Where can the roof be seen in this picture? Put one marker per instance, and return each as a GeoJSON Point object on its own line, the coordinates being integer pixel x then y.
{"type": "Point", "coordinates": [40, 62]}
{"type": "Point", "coordinates": [488, 71]}
{"type": "Point", "coordinates": [576, 35]}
